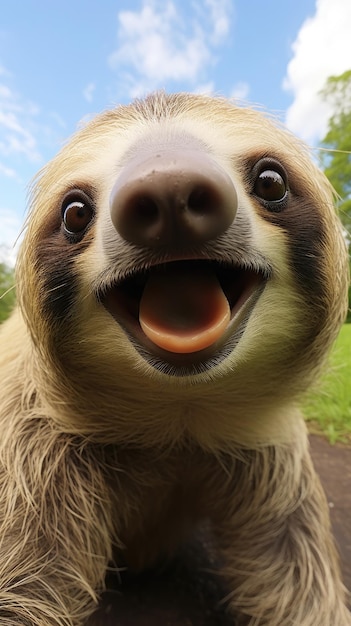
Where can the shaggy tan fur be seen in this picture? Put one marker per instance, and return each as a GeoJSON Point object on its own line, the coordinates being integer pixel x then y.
{"type": "Point", "coordinates": [110, 456]}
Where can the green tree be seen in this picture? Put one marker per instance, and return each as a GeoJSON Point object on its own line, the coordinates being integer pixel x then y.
{"type": "Point", "coordinates": [337, 142]}
{"type": "Point", "coordinates": [7, 291]}
{"type": "Point", "coordinates": [336, 158]}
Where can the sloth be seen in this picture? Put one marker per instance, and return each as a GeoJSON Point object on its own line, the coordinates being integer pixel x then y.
{"type": "Point", "coordinates": [181, 279]}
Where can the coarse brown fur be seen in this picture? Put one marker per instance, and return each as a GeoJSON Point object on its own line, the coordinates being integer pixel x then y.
{"type": "Point", "coordinates": [110, 456]}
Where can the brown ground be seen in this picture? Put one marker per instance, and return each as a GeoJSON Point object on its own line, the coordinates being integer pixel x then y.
{"type": "Point", "coordinates": [188, 595]}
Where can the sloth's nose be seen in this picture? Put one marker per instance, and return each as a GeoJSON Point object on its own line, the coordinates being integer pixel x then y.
{"type": "Point", "coordinates": [173, 198]}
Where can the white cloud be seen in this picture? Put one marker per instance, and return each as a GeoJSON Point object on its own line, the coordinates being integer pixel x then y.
{"type": "Point", "coordinates": [5, 92]}
{"type": "Point", "coordinates": [16, 120]}
{"type": "Point", "coordinates": [26, 134]}
{"type": "Point", "coordinates": [57, 119]}
{"type": "Point", "coordinates": [206, 89]}
{"type": "Point", "coordinates": [11, 227]}
{"type": "Point", "coordinates": [8, 255]}
{"type": "Point", "coordinates": [322, 49]}
{"type": "Point", "coordinates": [4, 71]}
{"type": "Point", "coordinates": [240, 91]}
{"type": "Point", "coordinates": [7, 171]}
{"type": "Point", "coordinates": [88, 92]}
{"type": "Point", "coordinates": [219, 18]}
{"type": "Point", "coordinates": [159, 44]}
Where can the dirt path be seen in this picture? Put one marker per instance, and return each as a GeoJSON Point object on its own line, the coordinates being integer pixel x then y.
{"type": "Point", "coordinates": [333, 464]}
{"type": "Point", "coordinates": [187, 595]}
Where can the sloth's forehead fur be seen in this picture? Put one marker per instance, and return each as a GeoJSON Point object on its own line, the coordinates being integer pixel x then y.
{"type": "Point", "coordinates": [232, 133]}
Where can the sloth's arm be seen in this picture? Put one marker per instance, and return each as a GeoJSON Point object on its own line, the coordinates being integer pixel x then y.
{"type": "Point", "coordinates": [281, 562]}
{"type": "Point", "coordinates": [55, 532]}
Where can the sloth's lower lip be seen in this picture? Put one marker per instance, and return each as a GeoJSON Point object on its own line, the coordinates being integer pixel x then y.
{"type": "Point", "coordinates": [183, 312]}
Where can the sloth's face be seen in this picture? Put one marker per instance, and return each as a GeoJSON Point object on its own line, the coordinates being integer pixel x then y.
{"type": "Point", "coordinates": [186, 232]}
{"type": "Point", "coordinates": [191, 278]}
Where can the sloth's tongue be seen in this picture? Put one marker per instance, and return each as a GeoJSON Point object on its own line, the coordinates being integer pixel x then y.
{"type": "Point", "coordinates": [183, 310]}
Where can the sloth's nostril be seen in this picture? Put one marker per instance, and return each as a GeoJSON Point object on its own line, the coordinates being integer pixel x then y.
{"type": "Point", "coordinates": [203, 201]}
{"type": "Point", "coordinates": [143, 209]}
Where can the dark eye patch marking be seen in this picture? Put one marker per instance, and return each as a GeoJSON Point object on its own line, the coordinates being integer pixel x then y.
{"type": "Point", "coordinates": [299, 216]}
{"type": "Point", "coordinates": [59, 283]}
{"type": "Point", "coordinates": [57, 250]}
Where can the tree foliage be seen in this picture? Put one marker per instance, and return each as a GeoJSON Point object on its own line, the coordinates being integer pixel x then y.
{"type": "Point", "coordinates": [7, 291]}
{"type": "Point", "coordinates": [337, 142]}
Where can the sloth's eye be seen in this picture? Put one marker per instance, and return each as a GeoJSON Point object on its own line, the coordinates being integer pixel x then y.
{"type": "Point", "coordinates": [77, 213]}
{"type": "Point", "coordinates": [270, 184]}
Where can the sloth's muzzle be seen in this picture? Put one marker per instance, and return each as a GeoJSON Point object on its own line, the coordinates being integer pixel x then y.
{"type": "Point", "coordinates": [171, 202]}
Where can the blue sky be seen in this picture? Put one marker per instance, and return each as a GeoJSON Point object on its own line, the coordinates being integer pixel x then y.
{"type": "Point", "coordinates": [61, 62]}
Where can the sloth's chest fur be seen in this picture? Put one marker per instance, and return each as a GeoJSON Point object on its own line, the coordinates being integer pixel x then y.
{"type": "Point", "coordinates": [165, 500]}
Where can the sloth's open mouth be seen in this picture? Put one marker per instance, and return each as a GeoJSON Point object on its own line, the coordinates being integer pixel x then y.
{"type": "Point", "coordinates": [184, 311]}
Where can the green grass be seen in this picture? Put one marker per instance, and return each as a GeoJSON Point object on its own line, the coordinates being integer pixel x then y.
{"type": "Point", "coordinates": [328, 408]}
